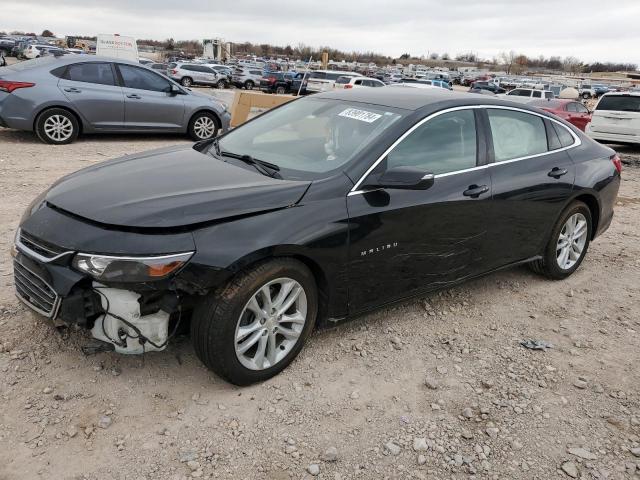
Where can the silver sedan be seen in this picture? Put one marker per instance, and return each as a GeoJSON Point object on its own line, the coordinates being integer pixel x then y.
{"type": "Point", "coordinates": [59, 97]}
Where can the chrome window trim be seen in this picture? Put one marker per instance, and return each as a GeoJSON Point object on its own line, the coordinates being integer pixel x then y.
{"type": "Point", "coordinates": [576, 143]}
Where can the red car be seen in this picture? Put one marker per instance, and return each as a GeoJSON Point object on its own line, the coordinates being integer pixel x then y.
{"type": "Point", "coordinates": [569, 110]}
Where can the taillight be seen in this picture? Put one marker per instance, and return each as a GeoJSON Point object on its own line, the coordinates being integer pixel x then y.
{"type": "Point", "coordinates": [174, 71]}
{"type": "Point", "coordinates": [272, 79]}
{"type": "Point", "coordinates": [617, 162]}
{"type": "Point", "coordinates": [8, 86]}
{"type": "Point", "coordinates": [348, 85]}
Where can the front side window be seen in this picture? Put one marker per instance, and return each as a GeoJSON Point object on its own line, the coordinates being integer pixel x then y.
{"type": "Point", "coordinates": [142, 79]}
{"type": "Point", "coordinates": [516, 134]}
{"type": "Point", "coordinates": [309, 137]}
{"type": "Point", "coordinates": [99, 73]}
{"type": "Point", "coordinates": [446, 143]}
{"type": "Point", "coordinates": [537, 94]}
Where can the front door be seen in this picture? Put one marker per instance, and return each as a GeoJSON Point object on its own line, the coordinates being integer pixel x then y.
{"type": "Point", "coordinates": [149, 103]}
{"type": "Point", "coordinates": [92, 89]}
{"type": "Point", "coordinates": [406, 241]}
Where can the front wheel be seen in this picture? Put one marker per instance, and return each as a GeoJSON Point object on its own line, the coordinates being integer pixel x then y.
{"type": "Point", "coordinates": [186, 82]}
{"type": "Point", "coordinates": [202, 126]}
{"type": "Point", "coordinates": [568, 243]}
{"type": "Point", "coordinates": [255, 326]}
{"type": "Point", "coordinates": [248, 85]}
{"type": "Point", "coordinates": [221, 84]}
{"type": "Point", "coordinates": [281, 90]}
{"type": "Point", "coordinates": [586, 96]}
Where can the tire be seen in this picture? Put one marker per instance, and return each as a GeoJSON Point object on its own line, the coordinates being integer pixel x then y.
{"type": "Point", "coordinates": [216, 320]}
{"type": "Point", "coordinates": [186, 82]}
{"type": "Point", "coordinates": [203, 125]}
{"type": "Point", "coordinates": [249, 85]}
{"type": "Point", "coordinates": [57, 126]}
{"type": "Point", "coordinates": [221, 84]}
{"type": "Point", "coordinates": [549, 264]}
{"type": "Point", "coordinates": [281, 90]}
{"type": "Point", "coordinates": [586, 96]}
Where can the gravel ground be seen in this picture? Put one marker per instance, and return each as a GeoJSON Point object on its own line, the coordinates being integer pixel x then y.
{"type": "Point", "coordinates": [433, 388]}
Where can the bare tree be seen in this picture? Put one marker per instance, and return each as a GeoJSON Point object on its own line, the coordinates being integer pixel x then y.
{"type": "Point", "coordinates": [509, 60]}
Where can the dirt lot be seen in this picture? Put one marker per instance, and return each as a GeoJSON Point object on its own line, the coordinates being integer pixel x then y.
{"type": "Point", "coordinates": [435, 388]}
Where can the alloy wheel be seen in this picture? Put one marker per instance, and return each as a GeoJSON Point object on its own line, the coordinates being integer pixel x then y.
{"type": "Point", "coordinates": [571, 241]}
{"type": "Point", "coordinates": [58, 128]}
{"type": "Point", "coordinates": [204, 127]}
{"type": "Point", "coordinates": [271, 324]}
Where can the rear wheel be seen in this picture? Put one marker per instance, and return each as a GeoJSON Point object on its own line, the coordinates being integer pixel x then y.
{"type": "Point", "coordinates": [202, 126]}
{"type": "Point", "coordinates": [249, 85]}
{"type": "Point", "coordinates": [281, 90]}
{"type": "Point", "coordinates": [186, 82]}
{"type": "Point", "coordinates": [568, 243]}
{"type": "Point", "coordinates": [257, 324]}
{"type": "Point", "coordinates": [57, 126]}
{"type": "Point", "coordinates": [221, 84]}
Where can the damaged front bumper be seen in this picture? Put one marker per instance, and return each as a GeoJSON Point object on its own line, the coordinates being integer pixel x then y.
{"type": "Point", "coordinates": [132, 322]}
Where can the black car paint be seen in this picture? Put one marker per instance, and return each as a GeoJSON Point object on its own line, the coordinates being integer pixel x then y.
{"type": "Point", "coordinates": [365, 249]}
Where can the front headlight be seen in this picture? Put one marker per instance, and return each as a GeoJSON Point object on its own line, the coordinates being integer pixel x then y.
{"type": "Point", "coordinates": [130, 269]}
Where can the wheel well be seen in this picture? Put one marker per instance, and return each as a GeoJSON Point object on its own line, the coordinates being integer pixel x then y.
{"type": "Point", "coordinates": [318, 274]}
{"type": "Point", "coordinates": [78, 119]}
{"type": "Point", "coordinates": [594, 208]}
{"type": "Point", "coordinates": [321, 282]}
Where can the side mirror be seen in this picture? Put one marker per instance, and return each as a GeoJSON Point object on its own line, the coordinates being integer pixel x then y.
{"type": "Point", "coordinates": [175, 90]}
{"type": "Point", "coordinates": [405, 178]}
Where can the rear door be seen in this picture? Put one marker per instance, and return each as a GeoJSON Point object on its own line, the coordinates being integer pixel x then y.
{"type": "Point", "coordinates": [149, 103]}
{"type": "Point", "coordinates": [93, 90]}
{"type": "Point", "coordinates": [532, 178]}
{"type": "Point", "coordinates": [618, 114]}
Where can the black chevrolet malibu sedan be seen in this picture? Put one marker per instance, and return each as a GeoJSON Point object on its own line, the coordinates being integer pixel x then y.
{"type": "Point", "coordinates": [309, 214]}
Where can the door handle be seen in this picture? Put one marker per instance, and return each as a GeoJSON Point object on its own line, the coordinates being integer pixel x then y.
{"type": "Point", "coordinates": [474, 191]}
{"type": "Point", "coordinates": [134, 95]}
{"type": "Point", "coordinates": [72, 90]}
{"type": "Point", "coordinates": [557, 172]}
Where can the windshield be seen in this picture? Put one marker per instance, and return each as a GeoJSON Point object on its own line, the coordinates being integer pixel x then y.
{"type": "Point", "coordinates": [309, 137]}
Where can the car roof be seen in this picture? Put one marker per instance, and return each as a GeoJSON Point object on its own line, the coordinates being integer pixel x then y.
{"type": "Point", "coordinates": [551, 102]}
{"type": "Point", "coordinates": [416, 99]}
{"type": "Point", "coordinates": [622, 94]}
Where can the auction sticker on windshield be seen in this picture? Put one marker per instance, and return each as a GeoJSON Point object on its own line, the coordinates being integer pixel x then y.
{"type": "Point", "coordinates": [361, 115]}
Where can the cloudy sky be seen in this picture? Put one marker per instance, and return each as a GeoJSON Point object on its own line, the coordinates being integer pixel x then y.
{"type": "Point", "coordinates": [588, 29]}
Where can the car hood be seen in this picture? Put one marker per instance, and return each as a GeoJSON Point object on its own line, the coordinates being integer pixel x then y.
{"type": "Point", "coordinates": [169, 188]}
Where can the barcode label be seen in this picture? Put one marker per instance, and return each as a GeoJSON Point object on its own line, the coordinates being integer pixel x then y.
{"type": "Point", "coordinates": [361, 115]}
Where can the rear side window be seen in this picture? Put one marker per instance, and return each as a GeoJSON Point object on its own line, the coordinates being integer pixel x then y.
{"type": "Point", "coordinates": [548, 94]}
{"type": "Point", "coordinates": [142, 79]}
{"type": "Point", "coordinates": [446, 143]}
{"type": "Point", "coordinates": [621, 103]}
{"type": "Point", "coordinates": [516, 134]}
{"type": "Point", "coordinates": [255, 72]}
{"type": "Point", "coordinates": [59, 72]}
{"type": "Point", "coordinates": [93, 72]}
{"type": "Point", "coordinates": [343, 80]}
{"type": "Point", "coordinates": [537, 94]}
{"type": "Point", "coordinates": [566, 139]}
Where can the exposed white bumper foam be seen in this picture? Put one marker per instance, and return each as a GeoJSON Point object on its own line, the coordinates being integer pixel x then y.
{"type": "Point", "coordinates": [124, 304]}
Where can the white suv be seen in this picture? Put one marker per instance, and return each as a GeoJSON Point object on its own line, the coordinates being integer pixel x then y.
{"type": "Point", "coordinates": [616, 118]}
{"type": "Point", "coordinates": [247, 77]}
{"type": "Point", "coordinates": [525, 95]}
{"type": "Point", "coordinates": [323, 80]}
{"type": "Point", "coordinates": [346, 82]}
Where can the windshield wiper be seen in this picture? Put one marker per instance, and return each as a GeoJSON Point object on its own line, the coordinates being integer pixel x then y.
{"type": "Point", "coordinates": [260, 165]}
